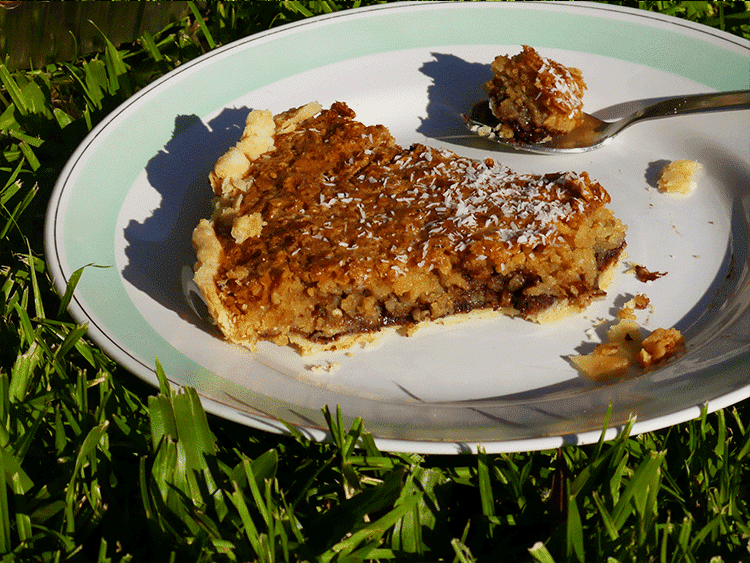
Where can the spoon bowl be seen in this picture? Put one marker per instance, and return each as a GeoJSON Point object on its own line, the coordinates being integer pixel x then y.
{"type": "Point", "coordinates": [593, 133]}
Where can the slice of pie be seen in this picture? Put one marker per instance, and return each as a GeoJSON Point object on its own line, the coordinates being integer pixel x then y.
{"type": "Point", "coordinates": [534, 98]}
{"type": "Point", "coordinates": [325, 231]}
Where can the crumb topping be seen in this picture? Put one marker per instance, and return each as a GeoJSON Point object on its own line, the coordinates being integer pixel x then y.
{"type": "Point", "coordinates": [411, 208]}
{"type": "Point", "coordinates": [560, 84]}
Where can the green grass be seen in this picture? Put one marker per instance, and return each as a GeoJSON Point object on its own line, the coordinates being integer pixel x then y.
{"type": "Point", "coordinates": [96, 466]}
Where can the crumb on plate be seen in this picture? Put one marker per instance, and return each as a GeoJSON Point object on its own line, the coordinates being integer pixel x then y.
{"type": "Point", "coordinates": [626, 346]}
{"type": "Point", "coordinates": [678, 177]}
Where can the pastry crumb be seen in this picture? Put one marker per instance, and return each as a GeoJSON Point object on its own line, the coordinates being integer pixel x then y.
{"type": "Point", "coordinates": [678, 177]}
{"type": "Point", "coordinates": [660, 345]}
{"type": "Point", "coordinates": [325, 368]}
{"type": "Point", "coordinates": [644, 274]}
{"type": "Point", "coordinates": [641, 301]}
{"type": "Point", "coordinates": [601, 367]}
{"type": "Point", "coordinates": [626, 313]}
{"type": "Point", "coordinates": [626, 346]}
{"type": "Point", "coordinates": [246, 226]}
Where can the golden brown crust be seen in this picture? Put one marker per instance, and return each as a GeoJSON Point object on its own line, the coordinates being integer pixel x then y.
{"type": "Point", "coordinates": [208, 252]}
{"type": "Point", "coordinates": [226, 180]}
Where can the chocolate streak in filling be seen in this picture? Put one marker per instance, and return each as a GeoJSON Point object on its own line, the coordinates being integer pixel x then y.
{"type": "Point", "coordinates": [348, 215]}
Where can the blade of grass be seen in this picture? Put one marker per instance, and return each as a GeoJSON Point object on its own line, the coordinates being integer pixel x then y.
{"type": "Point", "coordinates": [70, 342]}
{"type": "Point", "coordinates": [371, 533]}
{"type": "Point", "coordinates": [147, 40]}
{"type": "Point", "coordinates": [5, 517]}
{"type": "Point", "coordinates": [540, 553]}
{"type": "Point", "coordinates": [637, 489]}
{"type": "Point", "coordinates": [11, 187]}
{"type": "Point", "coordinates": [249, 528]}
{"type": "Point", "coordinates": [298, 7]}
{"type": "Point", "coordinates": [202, 25]}
{"type": "Point", "coordinates": [13, 90]}
{"type": "Point", "coordinates": [345, 517]}
{"type": "Point", "coordinates": [609, 524]}
{"type": "Point", "coordinates": [86, 456]}
{"type": "Point", "coordinates": [486, 496]}
{"type": "Point", "coordinates": [573, 529]}
{"type": "Point", "coordinates": [116, 77]}
{"type": "Point", "coordinates": [23, 371]}
{"type": "Point", "coordinates": [69, 290]}
{"type": "Point", "coordinates": [28, 139]}
{"type": "Point", "coordinates": [13, 216]}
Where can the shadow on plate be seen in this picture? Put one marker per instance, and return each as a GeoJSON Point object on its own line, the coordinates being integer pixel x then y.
{"type": "Point", "coordinates": [456, 86]}
{"type": "Point", "coordinates": [159, 250]}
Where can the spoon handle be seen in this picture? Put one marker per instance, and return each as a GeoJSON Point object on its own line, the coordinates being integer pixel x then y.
{"type": "Point", "coordinates": [695, 103]}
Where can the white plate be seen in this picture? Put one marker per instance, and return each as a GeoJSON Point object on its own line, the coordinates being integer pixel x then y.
{"type": "Point", "coordinates": [136, 187]}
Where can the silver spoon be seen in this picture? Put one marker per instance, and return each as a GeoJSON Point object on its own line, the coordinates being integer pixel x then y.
{"type": "Point", "coordinates": [594, 133]}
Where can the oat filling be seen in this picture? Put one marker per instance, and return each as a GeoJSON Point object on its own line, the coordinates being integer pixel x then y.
{"type": "Point", "coordinates": [326, 231]}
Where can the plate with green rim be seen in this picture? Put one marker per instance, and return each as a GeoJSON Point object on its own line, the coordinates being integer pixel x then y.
{"type": "Point", "coordinates": [133, 191]}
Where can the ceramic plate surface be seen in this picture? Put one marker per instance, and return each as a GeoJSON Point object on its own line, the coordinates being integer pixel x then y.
{"type": "Point", "coordinates": [134, 190]}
